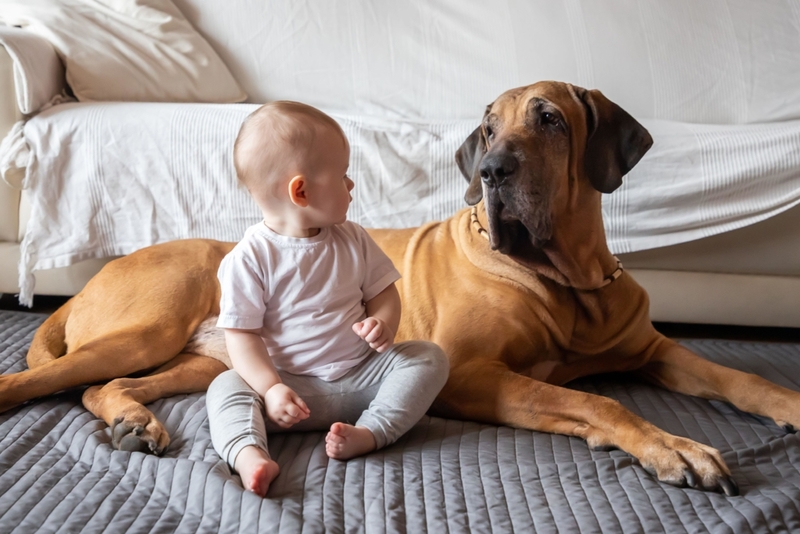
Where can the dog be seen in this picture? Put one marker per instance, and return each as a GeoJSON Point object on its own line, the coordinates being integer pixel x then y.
{"type": "Point", "coordinates": [519, 289]}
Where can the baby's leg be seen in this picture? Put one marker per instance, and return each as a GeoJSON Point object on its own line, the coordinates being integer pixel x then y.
{"type": "Point", "coordinates": [236, 422]}
{"type": "Point", "coordinates": [386, 395]}
{"type": "Point", "coordinates": [410, 374]}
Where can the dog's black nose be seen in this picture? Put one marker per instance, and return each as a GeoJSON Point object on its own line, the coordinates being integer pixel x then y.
{"type": "Point", "coordinates": [498, 167]}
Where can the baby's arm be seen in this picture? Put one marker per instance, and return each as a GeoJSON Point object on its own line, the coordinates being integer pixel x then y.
{"type": "Point", "coordinates": [383, 318]}
{"type": "Point", "coordinates": [251, 360]}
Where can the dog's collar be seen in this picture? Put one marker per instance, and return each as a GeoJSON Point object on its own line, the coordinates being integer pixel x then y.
{"type": "Point", "coordinates": [476, 224]}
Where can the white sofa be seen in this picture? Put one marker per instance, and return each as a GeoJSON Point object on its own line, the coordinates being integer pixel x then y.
{"type": "Point", "coordinates": [707, 73]}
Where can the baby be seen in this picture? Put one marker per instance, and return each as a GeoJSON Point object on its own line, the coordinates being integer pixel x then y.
{"type": "Point", "coordinates": [309, 308]}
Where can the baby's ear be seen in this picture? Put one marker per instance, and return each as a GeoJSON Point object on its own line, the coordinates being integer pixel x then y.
{"type": "Point", "coordinates": [297, 191]}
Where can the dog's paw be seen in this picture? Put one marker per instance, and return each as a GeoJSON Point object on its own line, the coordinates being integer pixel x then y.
{"type": "Point", "coordinates": [142, 434]}
{"type": "Point", "coordinates": [685, 463]}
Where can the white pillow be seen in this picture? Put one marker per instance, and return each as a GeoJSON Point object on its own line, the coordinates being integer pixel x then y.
{"type": "Point", "coordinates": [130, 50]}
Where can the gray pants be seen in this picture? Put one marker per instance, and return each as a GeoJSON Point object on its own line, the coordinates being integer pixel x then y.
{"type": "Point", "coordinates": [387, 393]}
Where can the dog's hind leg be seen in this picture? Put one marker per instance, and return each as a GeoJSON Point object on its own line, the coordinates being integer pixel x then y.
{"type": "Point", "coordinates": [676, 368]}
{"type": "Point", "coordinates": [49, 340]}
{"type": "Point", "coordinates": [116, 354]}
{"type": "Point", "coordinates": [120, 403]}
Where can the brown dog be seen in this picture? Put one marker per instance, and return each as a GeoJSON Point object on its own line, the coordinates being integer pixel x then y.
{"type": "Point", "coordinates": [522, 294]}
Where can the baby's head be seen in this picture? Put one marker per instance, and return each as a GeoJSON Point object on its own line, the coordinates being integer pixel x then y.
{"type": "Point", "coordinates": [292, 156]}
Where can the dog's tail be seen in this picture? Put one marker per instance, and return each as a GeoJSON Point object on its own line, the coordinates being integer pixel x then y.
{"type": "Point", "coordinates": [49, 341]}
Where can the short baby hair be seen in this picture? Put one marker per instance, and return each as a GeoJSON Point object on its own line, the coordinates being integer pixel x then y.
{"type": "Point", "coordinates": [281, 133]}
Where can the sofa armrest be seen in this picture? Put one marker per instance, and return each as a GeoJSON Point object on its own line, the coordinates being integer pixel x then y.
{"type": "Point", "coordinates": [31, 75]}
{"type": "Point", "coordinates": [38, 74]}
{"type": "Point", "coordinates": [9, 213]}
{"type": "Point", "coordinates": [9, 114]}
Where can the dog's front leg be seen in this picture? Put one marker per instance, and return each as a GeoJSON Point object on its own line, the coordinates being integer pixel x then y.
{"type": "Point", "coordinates": [676, 368]}
{"type": "Point", "coordinates": [495, 394]}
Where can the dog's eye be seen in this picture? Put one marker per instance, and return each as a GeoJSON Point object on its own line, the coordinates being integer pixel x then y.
{"type": "Point", "coordinates": [549, 118]}
{"type": "Point", "coordinates": [489, 132]}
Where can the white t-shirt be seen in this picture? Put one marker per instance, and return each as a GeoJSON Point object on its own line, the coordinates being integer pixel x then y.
{"type": "Point", "coordinates": [305, 294]}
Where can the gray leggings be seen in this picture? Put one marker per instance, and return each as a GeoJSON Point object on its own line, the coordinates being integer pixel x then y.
{"type": "Point", "coordinates": [387, 393]}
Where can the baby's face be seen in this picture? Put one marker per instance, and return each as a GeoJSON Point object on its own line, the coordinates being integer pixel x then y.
{"type": "Point", "coordinates": [329, 186]}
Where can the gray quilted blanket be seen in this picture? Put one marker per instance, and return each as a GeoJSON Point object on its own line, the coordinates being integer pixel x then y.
{"type": "Point", "coordinates": [59, 472]}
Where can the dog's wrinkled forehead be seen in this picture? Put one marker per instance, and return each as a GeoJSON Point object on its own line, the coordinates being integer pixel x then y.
{"type": "Point", "coordinates": [515, 106]}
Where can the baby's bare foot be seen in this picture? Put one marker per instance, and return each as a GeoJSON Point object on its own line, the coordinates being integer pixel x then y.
{"type": "Point", "coordinates": [256, 469]}
{"type": "Point", "coordinates": [347, 441]}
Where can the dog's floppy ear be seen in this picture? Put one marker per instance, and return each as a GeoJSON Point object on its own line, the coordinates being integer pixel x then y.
{"type": "Point", "coordinates": [468, 158]}
{"type": "Point", "coordinates": [615, 141]}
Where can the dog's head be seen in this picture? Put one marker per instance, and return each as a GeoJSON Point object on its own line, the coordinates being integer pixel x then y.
{"type": "Point", "coordinates": [539, 146]}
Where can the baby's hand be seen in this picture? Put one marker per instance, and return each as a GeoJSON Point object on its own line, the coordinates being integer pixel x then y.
{"type": "Point", "coordinates": [284, 407]}
{"type": "Point", "coordinates": [375, 332]}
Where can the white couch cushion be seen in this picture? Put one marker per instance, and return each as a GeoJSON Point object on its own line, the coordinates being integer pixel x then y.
{"type": "Point", "coordinates": [703, 61]}
{"type": "Point", "coordinates": [94, 195]}
{"type": "Point", "coordinates": [133, 50]}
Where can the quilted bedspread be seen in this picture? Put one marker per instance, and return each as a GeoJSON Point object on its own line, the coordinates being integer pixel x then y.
{"type": "Point", "coordinates": [59, 472]}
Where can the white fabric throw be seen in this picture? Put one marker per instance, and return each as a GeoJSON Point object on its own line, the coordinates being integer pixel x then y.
{"type": "Point", "coordinates": [103, 184]}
